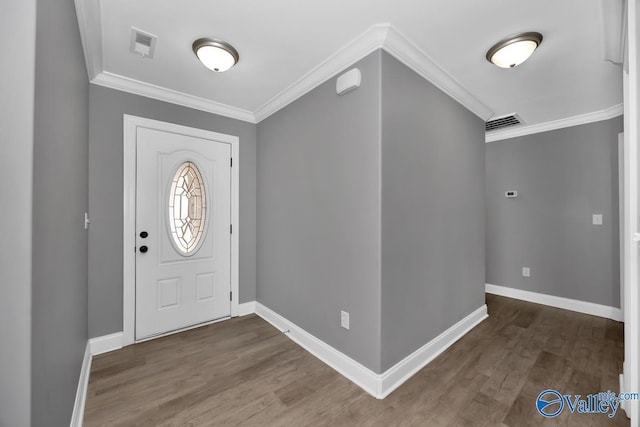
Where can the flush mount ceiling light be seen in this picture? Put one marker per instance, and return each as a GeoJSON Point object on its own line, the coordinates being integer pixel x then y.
{"type": "Point", "coordinates": [216, 55]}
{"type": "Point", "coordinates": [515, 50]}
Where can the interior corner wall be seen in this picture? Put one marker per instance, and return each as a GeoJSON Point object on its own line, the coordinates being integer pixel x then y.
{"type": "Point", "coordinates": [563, 177]}
{"type": "Point", "coordinates": [319, 214]}
{"type": "Point", "coordinates": [60, 192]}
{"type": "Point", "coordinates": [432, 211]}
{"type": "Point", "coordinates": [106, 110]}
{"type": "Point", "coordinates": [16, 172]}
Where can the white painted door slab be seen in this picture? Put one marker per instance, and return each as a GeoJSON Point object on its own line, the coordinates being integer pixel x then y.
{"type": "Point", "coordinates": [183, 240]}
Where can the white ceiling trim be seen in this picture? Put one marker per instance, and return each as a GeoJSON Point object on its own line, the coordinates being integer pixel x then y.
{"type": "Point", "coordinates": [596, 116]}
{"type": "Point", "coordinates": [380, 36]}
{"type": "Point", "coordinates": [352, 52]}
{"type": "Point", "coordinates": [405, 51]}
{"type": "Point", "coordinates": [90, 25]}
{"type": "Point", "coordinates": [115, 81]}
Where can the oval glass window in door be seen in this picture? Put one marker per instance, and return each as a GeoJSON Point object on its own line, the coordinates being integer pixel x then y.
{"type": "Point", "coordinates": [187, 208]}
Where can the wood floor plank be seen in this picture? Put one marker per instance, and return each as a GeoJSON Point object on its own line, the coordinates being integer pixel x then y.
{"type": "Point", "coordinates": [245, 372]}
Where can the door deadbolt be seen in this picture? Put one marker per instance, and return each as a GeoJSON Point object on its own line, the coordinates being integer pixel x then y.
{"type": "Point", "coordinates": [144, 234]}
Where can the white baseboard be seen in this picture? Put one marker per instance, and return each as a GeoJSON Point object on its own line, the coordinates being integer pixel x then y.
{"type": "Point", "coordinates": [106, 343]}
{"type": "Point", "coordinates": [94, 347]}
{"type": "Point", "coordinates": [111, 342]}
{"type": "Point", "coordinates": [585, 307]}
{"type": "Point", "coordinates": [377, 385]}
{"type": "Point", "coordinates": [624, 405]}
{"type": "Point", "coordinates": [360, 375]}
{"type": "Point", "coordinates": [246, 308]}
{"type": "Point", "coordinates": [407, 367]}
{"type": "Point", "coordinates": [81, 392]}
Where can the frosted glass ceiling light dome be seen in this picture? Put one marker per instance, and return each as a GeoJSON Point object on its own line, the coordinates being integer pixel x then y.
{"type": "Point", "coordinates": [216, 55]}
{"type": "Point", "coordinates": [514, 50]}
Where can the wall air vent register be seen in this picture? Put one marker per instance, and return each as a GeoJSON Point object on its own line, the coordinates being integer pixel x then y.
{"type": "Point", "coordinates": [502, 122]}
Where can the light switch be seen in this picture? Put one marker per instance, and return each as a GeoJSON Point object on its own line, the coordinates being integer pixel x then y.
{"type": "Point", "coordinates": [344, 319]}
{"type": "Point", "coordinates": [597, 219]}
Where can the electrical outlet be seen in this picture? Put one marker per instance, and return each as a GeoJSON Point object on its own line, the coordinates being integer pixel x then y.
{"type": "Point", "coordinates": [526, 272]}
{"type": "Point", "coordinates": [597, 219]}
{"type": "Point", "coordinates": [344, 319]}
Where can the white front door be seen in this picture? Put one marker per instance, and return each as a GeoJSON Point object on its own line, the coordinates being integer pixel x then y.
{"type": "Point", "coordinates": [183, 240]}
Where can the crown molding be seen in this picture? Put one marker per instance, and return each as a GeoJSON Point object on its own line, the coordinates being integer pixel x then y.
{"type": "Point", "coordinates": [379, 36]}
{"type": "Point", "coordinates": [366, 43]}
{"type": "Point", "coordinates": [90, 25]}
{"type": "Point", "coordinates": [137, 87]}
{"type": "Point", "coordinates": [407, 52]}
{"type": "Point", "coordinates": [596, 116]}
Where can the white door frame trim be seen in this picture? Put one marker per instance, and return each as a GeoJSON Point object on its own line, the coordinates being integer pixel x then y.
{"type": "Point", "coordinates": [622, 203]}
{"type": "Point", "coordinates": [631, 91]}
{"type": "Point", "coordinates": [131, 123]}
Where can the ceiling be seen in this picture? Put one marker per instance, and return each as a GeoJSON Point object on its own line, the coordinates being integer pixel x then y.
{"type": "Point", "coordinates": [287, 47]}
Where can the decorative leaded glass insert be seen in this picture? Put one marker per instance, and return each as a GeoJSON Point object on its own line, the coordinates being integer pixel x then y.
{"type": "Point", "coordinates": [187, 207]}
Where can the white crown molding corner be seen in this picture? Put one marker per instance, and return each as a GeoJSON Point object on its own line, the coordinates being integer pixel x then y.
{"type": "Point", "coordinates": [137, 87]}
{"type": "Point", "coordinates": [246, 308]}
{"type": "Point", "coordinates": [585, 307]}
{"type": "Point", "coordinates": [106, 343]}
{"type": "Point", "coordinates": [90, 24]}
{"type": "Point", "coordinates": [379, 36]}
{"type": "Point", "coordinates": [373, 38]}
{"type": "Point", "coordinates": [377, 385]}
{"type": "Point", "coordinates": [409, 366]}
{"type": "Point", "coordinates": [81, 393]}
{"type": "Point", "coordinates": [407, 52]}
{"type": "Point", "coordinates": [595, 116]}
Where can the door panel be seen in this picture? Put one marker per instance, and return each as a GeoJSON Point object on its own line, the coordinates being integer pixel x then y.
{"type": "Point", "coordinates": [183, 204]}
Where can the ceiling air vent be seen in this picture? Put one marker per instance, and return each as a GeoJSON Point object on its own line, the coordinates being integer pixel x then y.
{"type": "Point", "coordinates": [141, 43]}
{"type": "Point", "coordinates": [502, 122]}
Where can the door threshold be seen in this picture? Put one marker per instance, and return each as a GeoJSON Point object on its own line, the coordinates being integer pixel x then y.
{"type": "Point", "coordinates": [177, 331]}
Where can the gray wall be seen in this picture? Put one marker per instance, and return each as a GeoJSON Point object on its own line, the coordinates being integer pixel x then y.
{"type": "Point", "coordinates": [16, 169]}
{"type": "Point", "coordinates": [432, 211]}
{"type": "Point", "coordinates": [106, 108]}
{"type": "Point", "coordinates": [319, 214]}
{"type": "Point", "coordinates": [60, 184]}
{"type": "Point", "coordinates": [563, 177]}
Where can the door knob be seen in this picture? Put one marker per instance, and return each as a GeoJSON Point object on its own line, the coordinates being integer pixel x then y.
{"type": "Point", "coordinates": [144, 234]}
{"type": "Point", "coordinates": [143, 249]}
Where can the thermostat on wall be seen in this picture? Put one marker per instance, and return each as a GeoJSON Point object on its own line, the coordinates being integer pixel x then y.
{"type": "Point", "coordinates": [510, 194]}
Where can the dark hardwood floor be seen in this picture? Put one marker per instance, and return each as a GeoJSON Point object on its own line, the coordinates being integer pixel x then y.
{"type": "Point", "coordinates": [245, 372]}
